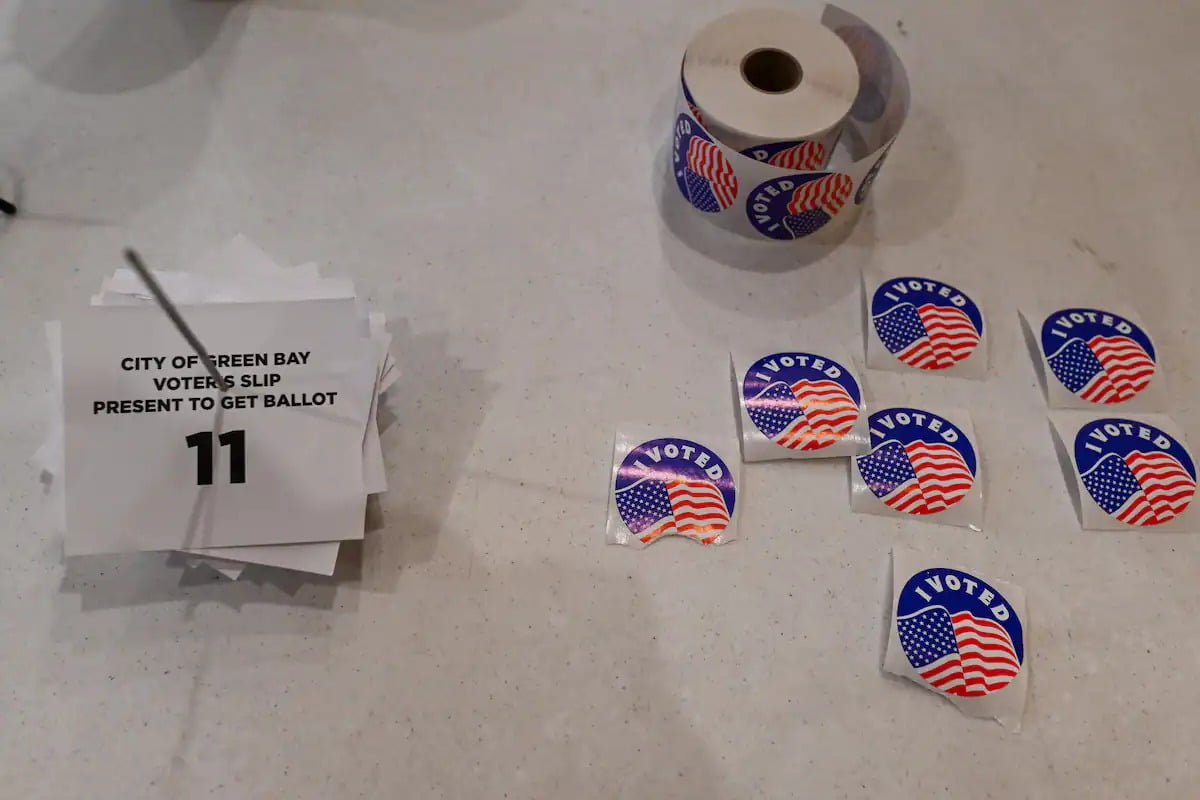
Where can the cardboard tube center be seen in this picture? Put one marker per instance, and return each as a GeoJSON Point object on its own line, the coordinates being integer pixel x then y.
{"type": "Point", "coordinates": [771, 71]}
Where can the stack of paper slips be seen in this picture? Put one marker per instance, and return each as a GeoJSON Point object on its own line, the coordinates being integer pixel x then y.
{"type": "Point", "coordinates": [272, 466]}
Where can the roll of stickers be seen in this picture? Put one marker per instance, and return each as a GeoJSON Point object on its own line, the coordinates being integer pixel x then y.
{"type": "Point", "coordinates": [783, 121]}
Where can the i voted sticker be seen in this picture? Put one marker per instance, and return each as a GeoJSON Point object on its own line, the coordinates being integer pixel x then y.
{"type": "Point", "coordinates": [959, 633]}
{"type": "Point", "coordinates": [801, 401]}
{"type": "Point", "coordinates": [1098, 356]}
{"type": "Point", "coordinates": [796, 206]}
{"type": "Point", "coordinates": [926, 324]}
{"type": "Point", "coordinates": [1135, 472]}
{"type": "Point", "coordinates": [920, 463]}
{"type": "Point", "coordinates": [703, 173]}
{"type": "Point", "coordinates": [673, 486]}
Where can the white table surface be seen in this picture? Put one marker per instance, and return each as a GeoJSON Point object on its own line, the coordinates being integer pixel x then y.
{"type": "Point", "coordinates": [485, 169]}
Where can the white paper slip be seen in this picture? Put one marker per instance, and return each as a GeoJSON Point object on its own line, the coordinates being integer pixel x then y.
{"type": "Point", "coordinates": [241, 272]}
{"type": "Point", "coordinates": [263, 282]}
{"type": "Point", "coordinates": [318, 558]}
{"type": "Point", "coordinates": [157, 458]}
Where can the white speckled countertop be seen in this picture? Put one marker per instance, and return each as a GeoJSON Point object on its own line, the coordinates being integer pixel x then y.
{"type": "Point", "coordinates": [483, 168]}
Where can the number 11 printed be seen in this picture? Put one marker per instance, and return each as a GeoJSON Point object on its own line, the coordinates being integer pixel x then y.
{"type": "Point", "coordinates": [203, 442]}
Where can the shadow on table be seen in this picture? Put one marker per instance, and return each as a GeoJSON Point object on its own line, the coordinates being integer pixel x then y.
{"type": "Point", "coordinates": [429, 420]}
{"type": "Point", "coordinates": [114, 46]}
{"type": "Point", "coordinates": [721, 266]}
{"type": "Point", "coordinates": [427, 15]}
{"type": "Point", "coordinates": [918, 190]}
{"type": "Point", "coordinates": [139, 579]}
{"type": "Point", "coordinates": [694, 231]}
{"type": "Point", "coordinates": [546, 676]}
{"type": "Point", "coordinates": [922, 182]}
{"type": "Point", "coordinates": [533, 679]}
{"type": "Point", "coordinates": [1066, 465]}
{"type": "Point", "coordinates": [78, 162]}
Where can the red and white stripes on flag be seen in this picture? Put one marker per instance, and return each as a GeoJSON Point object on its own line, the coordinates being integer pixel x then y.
{"type": "Point", "coordinates": [986, 660]}
{"type": "Point", "coordinates": [942, 479]}
{"type": "Point", "coordinates": [829, 414]}
{"type": "Point", "coordinates": [706, 160]}
{"type": "Point", "coordinates": [826, 194]}
{"type": "Point", "coordinates": [950, 337]}
{"type": "Point", "coordinates": [1167, 489]}
{"type": "Point", "coordinates": [806, 155]}
{"type": "Point", "coordinates": [1127, 369]}
{"type": "Point", "coordinates": [697, 511]}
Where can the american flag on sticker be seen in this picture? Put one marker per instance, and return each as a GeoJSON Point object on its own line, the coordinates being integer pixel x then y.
{"type": "Point", "coordinates": [793, 206]}
{"type": "Point", "coordinates": [1103, 369]}
{"type": "Point", "coordinates": [815, 202]}
{"type": "Point", "coordinates": [958, 653]}
{"type": "Point", "coordinates": [675, 487]}
{"type": "Point", "coordinates": [800, 156]}
{"type": "Point", "coordinates": [1135, 472]}
{"type": "Point", "coordinates": [802, 401]}
{"type": "Point", "coordinates": [928, 336]}
{"type": "Point", "coordinates": [805, 415]}
{"type": "Point", "coordinates": [916, 477]}
{"type": "Point", "coordinates": [962, 636]}
{"type": "Point", "coordinates": [1099, 356]}
{"type": "Point", "coordinates": [693, 508]}
{"type": "Point", "coordinates": [1140, 488]}
{"type": "Point", "coordinates": [925, 323]}
{"type": "Point", "coordinates": [711, 184]}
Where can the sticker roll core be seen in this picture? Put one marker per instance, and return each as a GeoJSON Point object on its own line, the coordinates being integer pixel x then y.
{"type": "Point", "coordinates": [765, 75]}
{"type": "Point", "coordinates": [771, 71]}
{"type": "Point", "coordinates": [784, 120]}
